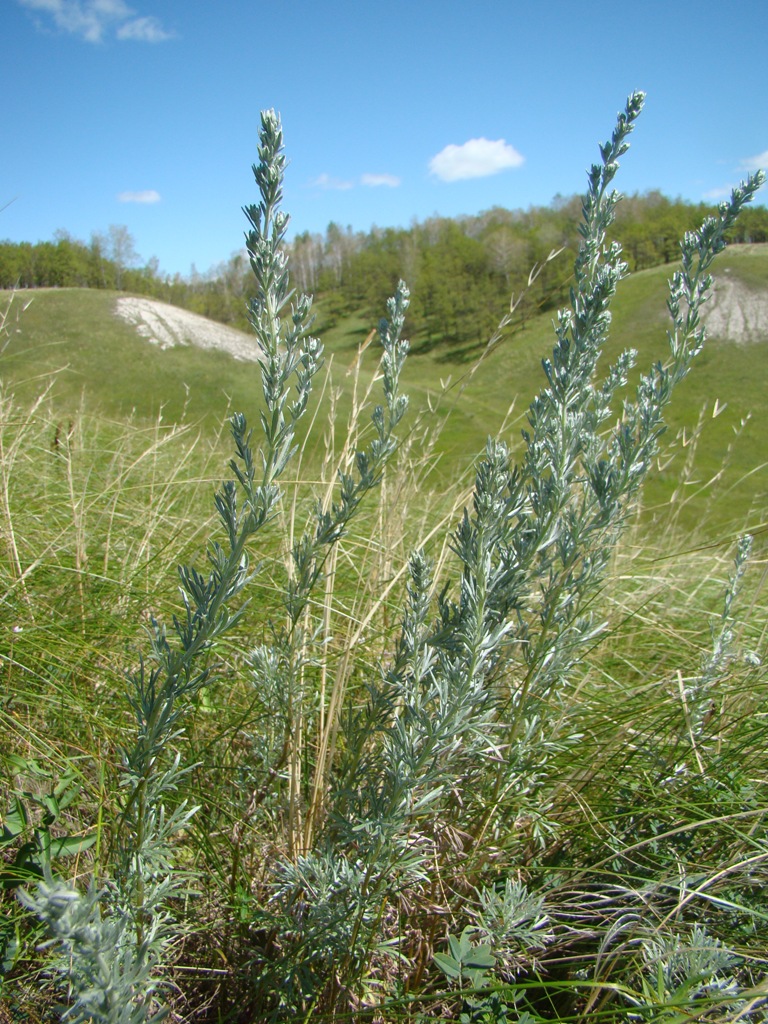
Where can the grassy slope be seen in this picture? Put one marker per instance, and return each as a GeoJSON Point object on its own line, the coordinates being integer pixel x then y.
{"type": "Point", "coordinates": [104, 362]}
{"type": "Point", "coordinates": [101, 359]}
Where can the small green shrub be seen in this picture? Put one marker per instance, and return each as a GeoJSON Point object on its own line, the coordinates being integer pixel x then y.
{"type": "Point", "coordinates": [446, 816]}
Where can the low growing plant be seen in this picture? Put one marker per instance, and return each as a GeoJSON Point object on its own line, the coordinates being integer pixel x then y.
{"type": "Point", "coordinates": [396, 822]}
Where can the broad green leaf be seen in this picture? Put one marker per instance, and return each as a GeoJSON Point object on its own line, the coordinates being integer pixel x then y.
{"type": "Point", "coordinates": [480, 957]}
{"type": "Point", "coordinates": [450, 967]}
{"type": "Point", "coordinates": [14, 823]}
{"type": "Point", "coordinates": [69, 845]}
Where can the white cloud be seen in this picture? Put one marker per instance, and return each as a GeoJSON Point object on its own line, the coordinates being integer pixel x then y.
{"type": "Point", "coordinates": [149, 195]}
{"type": "Point", "coordinates": [93, 19]}
{"type": "Point", "coordinates": [477, 158]}
{"type": "Point", "coordinates": [375, 180]}
{"type": "Point", "coordinates": [748, 164]}
{"type": "Point", "coordinates": [329, 184]}
{"type": "Point", "coordinates": [755, 163]}
{"type": "Point", "coordinates": [325, 181]}
{"type": "Point", "coordinates": [144, 30]}
{"type": "Point", "coordinates": [88, 19]}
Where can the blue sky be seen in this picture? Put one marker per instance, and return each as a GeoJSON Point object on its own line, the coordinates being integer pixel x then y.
{"type": "Point", "coordinates": [145, 112]}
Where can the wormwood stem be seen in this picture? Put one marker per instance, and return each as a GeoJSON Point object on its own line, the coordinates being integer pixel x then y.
{"type": "Point", "coordinates": [136, 901]}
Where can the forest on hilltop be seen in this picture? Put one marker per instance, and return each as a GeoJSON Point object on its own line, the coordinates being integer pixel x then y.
{"type": "Point", "coordinates": [461, 271]}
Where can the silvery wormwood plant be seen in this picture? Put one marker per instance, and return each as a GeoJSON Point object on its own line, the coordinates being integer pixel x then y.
{"type": "Point", "coordinates": [113, 938]}
{"type": "Point", "coordinates": [459, 730]}
{"type": "Point", "coordinates": [484, 680]}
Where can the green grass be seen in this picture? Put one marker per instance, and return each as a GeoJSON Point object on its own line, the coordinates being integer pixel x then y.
{"type": "Point", "coordinates": [80, 627]}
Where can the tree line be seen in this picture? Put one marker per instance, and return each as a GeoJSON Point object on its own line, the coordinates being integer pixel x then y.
{"type": "Point", "coordinates": [461, 271]}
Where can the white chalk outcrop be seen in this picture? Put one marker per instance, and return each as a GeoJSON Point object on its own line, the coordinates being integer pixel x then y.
{"type": "Point", "coordinates": [165, 325]}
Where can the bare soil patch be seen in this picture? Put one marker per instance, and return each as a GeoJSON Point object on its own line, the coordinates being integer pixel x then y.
{"type": "Point", "coordinates": [736, 312]}
{"type": "Point", "coordinates": [166, 326]}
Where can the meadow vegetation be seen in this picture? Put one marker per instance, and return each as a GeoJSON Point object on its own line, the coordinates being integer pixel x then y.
{"type": "Point", "coordinates": [414, 739]}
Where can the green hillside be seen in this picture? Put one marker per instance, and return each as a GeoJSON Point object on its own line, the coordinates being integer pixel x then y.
{"type": "Point", "coordinates": [102, 365]}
